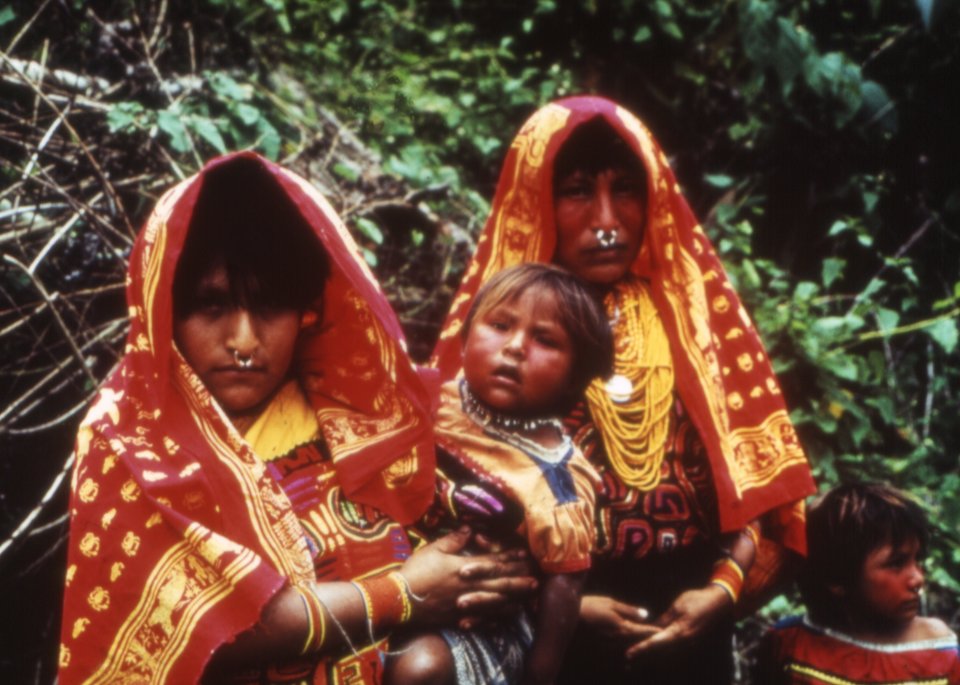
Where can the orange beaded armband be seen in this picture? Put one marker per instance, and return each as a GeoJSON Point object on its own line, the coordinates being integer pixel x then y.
{"type": "Point", "coordinates": [752, 531]}
{"type": "Point", "coordinates": [729, 576]}
{"type": "Point", "coordinates": [316, 620]}
{"type": "Point", "coordinates": [387, 599]}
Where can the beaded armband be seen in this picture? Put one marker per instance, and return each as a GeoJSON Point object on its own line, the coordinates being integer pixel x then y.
{"type": "Point", "coordinates": [729, 576]}
{"type": "Point", "coordinates": [316, 620]}
{"type": "Point", "coordinates": [752, 531]}
{"type": "Point", "coordinates": [387, 600]}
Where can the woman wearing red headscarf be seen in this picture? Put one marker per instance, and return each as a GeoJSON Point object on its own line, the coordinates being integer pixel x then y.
{"type": "Point", "coordinates": [242, 476]}
{"type": "Point", "coordinates": [701, 466]}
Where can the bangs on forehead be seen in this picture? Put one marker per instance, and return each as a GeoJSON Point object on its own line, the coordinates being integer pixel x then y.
{"type": "Point", "coordinates": [902, 524]}
{"type": "Point", "coordinates": [594, 147]}
{"type": "Point", "coordinates": [506, 287]}
{"type": "Point", "coordinates": [499, 297]}
{"type": "Point", "coordinates": [245, 222]}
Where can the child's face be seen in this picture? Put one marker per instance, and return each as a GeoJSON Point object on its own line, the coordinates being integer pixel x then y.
{"type": "Point", "coordinates": [890, 584]}
{"type": "Point", "coordinates": [600, 222]}
{"type": "Point", "coordinates": [518, 358]}
{"type": "Point", "coordinates": [241, 354]}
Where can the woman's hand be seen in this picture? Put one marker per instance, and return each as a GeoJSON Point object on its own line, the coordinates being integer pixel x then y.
{"type": "Point", "coordinates": [448, 586]}
{"type": "Point", "coordinates": [615, 619]}
{"type": "Point", "coordinates": [691, 613]}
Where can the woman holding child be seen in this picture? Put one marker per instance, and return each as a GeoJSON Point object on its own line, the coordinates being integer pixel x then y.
{"type": "Point", "coordinates": [697, 455]}
{"type": "Point", "coordinates": [243, 475]}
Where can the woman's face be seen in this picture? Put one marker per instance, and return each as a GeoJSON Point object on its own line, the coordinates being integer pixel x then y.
{"type": "Point", "coordinates": [241, 353]}
{"type": "Point", "coordinates": [518, 358]}
{"type": "Point", "coordinates": [600, 220]}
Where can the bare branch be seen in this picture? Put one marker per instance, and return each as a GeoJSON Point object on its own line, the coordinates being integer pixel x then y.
{"type": "Point", "coordinates": [24, 526]}
{"type": "Point", "coordinates": [63, 326]}
{"type": "Point", "coordinates": [38, 73]}
{"type": "Point", "coordinates": [26, 27]}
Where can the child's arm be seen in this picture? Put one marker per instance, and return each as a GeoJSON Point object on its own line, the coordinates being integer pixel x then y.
{"type": "Point", "coordinates": [557, 617]}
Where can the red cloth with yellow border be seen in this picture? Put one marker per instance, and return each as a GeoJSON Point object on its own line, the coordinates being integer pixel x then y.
{"type": "Point", "coordinates": [179, 535]}
{"type": "Point", "coordinates": [723, 374]}
{"type": "Point", "coordinates": [798, 652]}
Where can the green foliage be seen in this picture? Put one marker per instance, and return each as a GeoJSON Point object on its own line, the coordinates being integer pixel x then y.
{"type": "Point", "coordinates": [372, 232]}
{"type": "Point", "coordinates": [866, 350]}
{"type": "Point", "coordinates": [434, 94]}
{"type": "Point", "coordinates": [220, 114]}
{"type": "Point", "coordinates": [7, 14]}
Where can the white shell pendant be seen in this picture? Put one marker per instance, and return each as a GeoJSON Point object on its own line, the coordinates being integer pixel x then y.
{"type": "Point", "coordinates": [619, 388]}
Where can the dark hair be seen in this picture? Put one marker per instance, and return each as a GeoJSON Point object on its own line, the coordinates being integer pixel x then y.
{"type": "Point", "coordinates": [579, 313]}
{"type": "Point", "coordinates": [594, 147]}
{"type": "Point", "coordinates": [244, 220]}
{"type": "Point", "coordinates": [843, 527]}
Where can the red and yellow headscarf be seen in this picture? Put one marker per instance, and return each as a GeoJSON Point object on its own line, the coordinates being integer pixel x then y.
{"type": "Point", "coordinates": [178, 535]}
{"type": "Point", "coordinates": [723, 374]}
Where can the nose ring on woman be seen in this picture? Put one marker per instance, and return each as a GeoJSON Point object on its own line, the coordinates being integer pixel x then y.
{"type": "Point", "coordinates": [607, 239]}
{"type": "Point", "coordinates": [242, 362]}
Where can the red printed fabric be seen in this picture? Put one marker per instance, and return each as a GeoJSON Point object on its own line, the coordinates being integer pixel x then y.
{"type": "Point", "coordinates": [179, 535]}
{"type": "Point", "coordinates": [723, 375]}
{"type": "Point", "coordinates": [802, 653]}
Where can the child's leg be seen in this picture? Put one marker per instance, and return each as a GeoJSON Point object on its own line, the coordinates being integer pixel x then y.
{"type": "Point", "coordinates": [422, 660]}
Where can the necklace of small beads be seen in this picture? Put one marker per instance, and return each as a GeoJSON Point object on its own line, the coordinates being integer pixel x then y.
{"type": "Point", "coordinates": [509, 429]}
{"type": "Point", "coordinates": [632, 409]}
{"type": "Point", "coordinates": [485, 416]}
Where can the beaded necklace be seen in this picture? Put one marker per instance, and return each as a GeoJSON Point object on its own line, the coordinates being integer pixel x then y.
{"type": "Point", "coordinates": [632, 409]}
{"type": "Point", "coordinates": [510, 429]}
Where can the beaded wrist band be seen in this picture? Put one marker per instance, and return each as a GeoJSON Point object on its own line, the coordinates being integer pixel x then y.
{"type": "Point", "coordinates": [729, 576]}
{"type": "Point", "coordinates": [752, 531]}
{"type": "Point", "coordinates": [387, 599]}
{"type": "Point", "coordinates": [316, 620]}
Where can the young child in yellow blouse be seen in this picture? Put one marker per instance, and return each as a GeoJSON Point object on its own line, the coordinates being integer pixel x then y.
{"type": "Point", "coordinates": [533, 340]}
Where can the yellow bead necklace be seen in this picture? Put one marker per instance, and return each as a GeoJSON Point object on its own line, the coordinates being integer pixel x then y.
{"type": "Point", "coordinates": [632, 409]}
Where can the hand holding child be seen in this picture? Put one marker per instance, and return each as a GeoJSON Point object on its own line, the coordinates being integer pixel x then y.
{"type": "Point", "coordinates": [446, 585]}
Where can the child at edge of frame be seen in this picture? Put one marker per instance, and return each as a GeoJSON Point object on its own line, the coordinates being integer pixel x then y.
{"type": "Point", "coordinates": [532, 341]}
{"type": "Point", "coordinates": [862, 585]}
